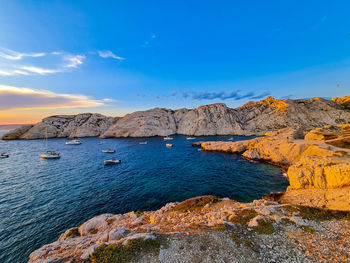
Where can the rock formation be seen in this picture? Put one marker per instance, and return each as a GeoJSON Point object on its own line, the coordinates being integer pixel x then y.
{"type": "Point", "coordinates": [216, 119]}
{"type": "Point", "coordinates": [81, 125]}
{"type": "Point", "coordinates": [318, 169]}
{"type": "Point", "coordinates": [206, 229]}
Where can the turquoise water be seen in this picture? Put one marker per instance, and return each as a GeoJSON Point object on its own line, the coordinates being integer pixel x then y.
{"type": "Point", "coordinates": [39, 199]}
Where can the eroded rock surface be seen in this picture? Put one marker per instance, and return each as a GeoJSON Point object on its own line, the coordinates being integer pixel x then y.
{"type": "Point", "coordinates": [207, 229]}
{"type": "Point", "coordinates": [81, 125]}
{"type": "Point", "coordinates": [218, 119]}
{"type": "Point", "coordinates": [314, 163]}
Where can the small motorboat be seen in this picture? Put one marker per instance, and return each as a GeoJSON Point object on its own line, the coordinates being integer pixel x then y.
{"type": "Point", "coordinates": [100, 143]}
{"type": "Point", "coordinates": [74, 142]}
{"type": "Point", "coordinates": [108, 151]}
{"type": "Point", "coordinates": [190, 138]}
{"type": "Point", "coordinates": [167, 138]}
{"type": "Point", "coordinates": [199, 150]}
{"type": "Point", "coordinates": [168, 145]}
{"type": "Point", "coordinates": [3, 155]}
{"type": "Point", "coordinates": [143, 142]}
{"type": "Point", "coordinates": [112, 161]}
{"type": "Point", "coordinates": [230, 139]}
{"type": "Point", "coordinates": [50, 155]}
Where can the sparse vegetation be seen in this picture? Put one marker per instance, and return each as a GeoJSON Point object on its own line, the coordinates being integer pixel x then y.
{"type": "Point", "coordinates": [265, 227]}
{"type": "Point", "coordinates": [118, 253]}
{"type": "Point", "coordinates": [74, 232]}
{"type": "Point", "coordinates": [309, 229]}
{"type": "Point", "coordinates": [244, 216]}
{"type": "Point", "coordinates": [311, 213]}
{"type": "Point", "coordinates": [241, 240]}
{"type": "Point", "coordinates": [194, 204]}
{"type": "Point", "coordinates": [220, 227]}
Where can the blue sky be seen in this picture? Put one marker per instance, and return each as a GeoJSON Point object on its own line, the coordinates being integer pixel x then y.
{"type": "Point", "coordinates": [61, 57]}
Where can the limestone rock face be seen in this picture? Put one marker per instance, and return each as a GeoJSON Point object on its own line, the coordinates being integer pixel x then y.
{"type": "Point", "coordinates": [253, 118]}
{"type": "Point", "coordinates": [311, 164]}
{"type": "Point", "coordinates": [81, 125]}
{"type": "Point", "coordinates": [155, 122]}
{"type": "Point", "coordinates": [16, 133]}
{"type": "Point", "coordinates": [345, 101]}
{"type": "Point", "coordinates": [218, 119]}
{"type": "Point", "coordinates": [215, 119]}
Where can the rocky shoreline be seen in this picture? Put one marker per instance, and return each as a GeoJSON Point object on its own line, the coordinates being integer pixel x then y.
{"type": "Point", "coordinates": [308, 223]}
{"type": "Point", "coordinates": [253, 118]}
{"type": "Point", "coordinates": [206, 229]}
{"type": "Point", "coordinates": [317, 163]}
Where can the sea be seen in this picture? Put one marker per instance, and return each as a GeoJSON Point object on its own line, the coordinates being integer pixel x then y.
{"type": "Point", "coordinates": [40, 199]}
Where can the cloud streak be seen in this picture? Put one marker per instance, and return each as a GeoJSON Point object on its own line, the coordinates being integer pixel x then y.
{"type": "Point", "coordinates": [13, 55]}
{"type": "Point", "coordinates": [109, 54]}
{"type": "Point", "coordinates": [25, 98]}
{"type": "Point", "coordinates": [203, 95]}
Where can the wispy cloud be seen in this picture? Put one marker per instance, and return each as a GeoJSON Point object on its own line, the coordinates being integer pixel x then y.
{"type": "Point", "coordinates": [13, 72]}
{"type": "Point", "coordinates": [41, 71]}
{"type": "Point", "coordinates": [74, 61]}
{"type": "Point", "coordinates": [236, 95]}
{"type": "Point", "coordinates": [13, 55]}
{"type": "Point", "coordinates": [25, 98]}
{"type": "Point", "coordinates": [109, 54]}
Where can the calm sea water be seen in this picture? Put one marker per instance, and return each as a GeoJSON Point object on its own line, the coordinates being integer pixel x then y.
{"type": "Point", "coordinates": [39, 199]}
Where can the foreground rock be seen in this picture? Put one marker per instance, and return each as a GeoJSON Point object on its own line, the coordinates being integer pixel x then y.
{"type": "Point", "coordinates": [216, 119]}
{"type": "Point", "coordinates": [206, 229]}
{"type": "Point", "coordinates": [81, 125]}
{"type": "Point", "coordinates": [318, 170]}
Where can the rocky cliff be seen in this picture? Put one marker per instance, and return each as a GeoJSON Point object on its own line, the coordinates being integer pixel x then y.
{"type": "Point", "coordinates": [216, 119]}
{"type": "Point", "coordinates": [81, 125]}
{"type": "Point", "coordinates": [318, 167]}
{"type": "Point", "coordinates": [206, 229]}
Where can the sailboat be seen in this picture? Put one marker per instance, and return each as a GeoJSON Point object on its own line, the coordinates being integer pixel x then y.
{"type": "Point", "coordinates": [49, 154]}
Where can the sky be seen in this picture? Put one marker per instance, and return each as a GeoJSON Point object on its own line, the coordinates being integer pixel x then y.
{"type": "Point", "coordinates": [116, 57]}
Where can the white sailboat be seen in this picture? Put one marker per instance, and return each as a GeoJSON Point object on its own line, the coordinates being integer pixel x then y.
{"type": "Point", "coordinates": [49, 154]}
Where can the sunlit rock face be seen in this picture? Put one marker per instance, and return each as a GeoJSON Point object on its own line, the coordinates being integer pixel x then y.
{"type": "Point", "coordinates": [253, 118]}
{"type": "Point", "coordinates": [218, 119]}
{"type": "Point", "coordinates": [320, 163]}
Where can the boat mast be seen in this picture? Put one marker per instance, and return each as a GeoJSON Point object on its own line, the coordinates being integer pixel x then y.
{"type": "Point", "coordinates": [46, 141]}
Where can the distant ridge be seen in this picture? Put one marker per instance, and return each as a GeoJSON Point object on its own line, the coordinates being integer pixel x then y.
{"type": "Point", "coordinates": [253, 118]}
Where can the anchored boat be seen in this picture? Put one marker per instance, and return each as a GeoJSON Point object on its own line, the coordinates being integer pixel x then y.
{"type": "Point", "coordinates": [74, 142]}
{"type": "Point", "coordinates": [168, 145]}
{"type": "Point", "coordinates": [108, 151]}
{"type": "Point", "coordinates": [3, 155]}
{"type": "Point", "coordinates": [49, 154]}
{"type": "Point", "coordinates": [112, 161]}
{"type": "Point", "coordinates": [167, 138]}
{"type": "Point", "coordinates": [143, 142]}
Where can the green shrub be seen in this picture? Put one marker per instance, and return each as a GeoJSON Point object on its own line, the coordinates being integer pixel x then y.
{"type": "Point", "coordinates": [118, 253]}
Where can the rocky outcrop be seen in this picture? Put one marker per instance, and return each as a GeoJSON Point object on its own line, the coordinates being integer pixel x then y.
{"type": "Point", "coordinates": [205, 229]}
{"type": "Point", "coordinates": [81, 125]}
{"type": "Point", "coordinates": [311, 164]}
{"type": "Point", "coordinates": [17, 133]}
{"type": "Point", "coordinates": [156, 122]}
{"type": "Point", "coordinates": [345, 101]}
{"type": "Point", "coordinates": [253, 118]}
{"type": "Point", "coordinates": [218, 119]}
